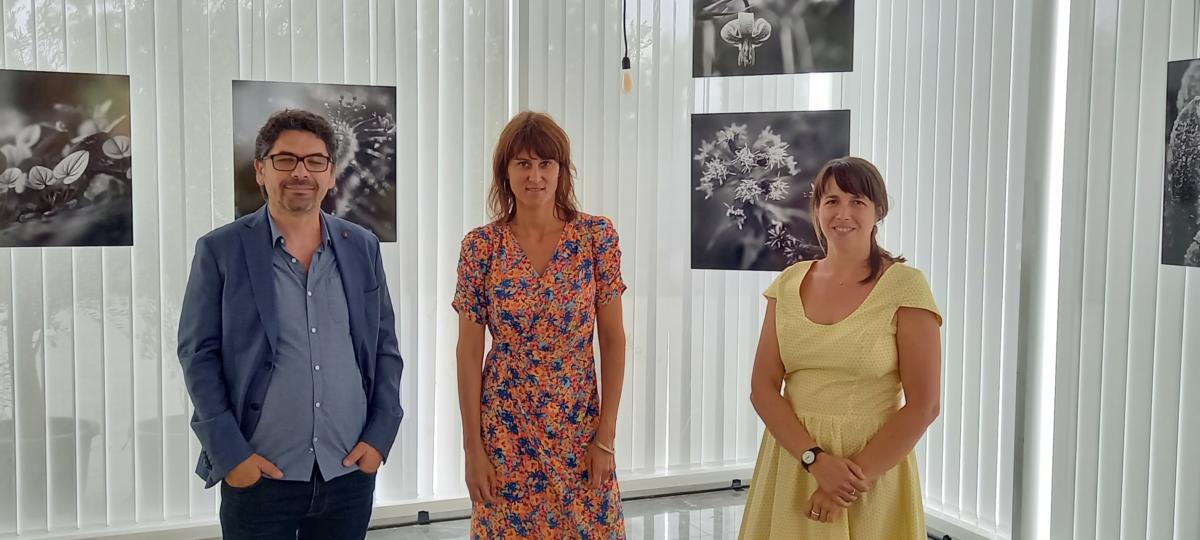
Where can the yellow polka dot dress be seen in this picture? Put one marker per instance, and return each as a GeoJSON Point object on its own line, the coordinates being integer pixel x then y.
{"type": "Point", "coordinates": [843, 382]}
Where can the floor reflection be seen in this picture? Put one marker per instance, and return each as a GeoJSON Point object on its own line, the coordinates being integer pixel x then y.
{"type": "Point", "coordinates": [715, 515]}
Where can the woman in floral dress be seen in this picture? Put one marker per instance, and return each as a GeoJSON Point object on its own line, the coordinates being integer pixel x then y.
{"type": "Point", "coordinates": [541, 277]}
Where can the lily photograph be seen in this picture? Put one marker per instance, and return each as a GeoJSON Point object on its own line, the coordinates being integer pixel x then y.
{"type": "Point", "coordinates": [769, 37]}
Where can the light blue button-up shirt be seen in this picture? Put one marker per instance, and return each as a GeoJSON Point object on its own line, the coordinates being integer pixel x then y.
{"type": "Point", "coordinates": [315, 407]}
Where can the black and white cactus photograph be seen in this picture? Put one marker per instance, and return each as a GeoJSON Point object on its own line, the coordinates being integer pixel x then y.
{"type": "Point", "coordinates": [1181, 186]}
{"type": "Point", "coordinates": [768, 37]}
{"type": "Point", "coordinates": [752, 177]}
{"type": "Point", "coordinates": [364, 126]}
{"type": "Point", "coordinates": [65, 160]}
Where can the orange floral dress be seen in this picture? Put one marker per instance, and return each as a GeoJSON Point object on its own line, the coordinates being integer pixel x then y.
{"type": "Point", "coordinates": [540, 407]}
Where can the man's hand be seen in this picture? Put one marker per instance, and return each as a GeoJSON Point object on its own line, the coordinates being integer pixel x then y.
{"type": "Point", "coordinates": [249, 472]}
{"type": "Point", "coordinates": [366, 456]}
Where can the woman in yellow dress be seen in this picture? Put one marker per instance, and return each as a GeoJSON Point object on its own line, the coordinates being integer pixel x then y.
{"type": "Point", "coordinates": [853, 341]}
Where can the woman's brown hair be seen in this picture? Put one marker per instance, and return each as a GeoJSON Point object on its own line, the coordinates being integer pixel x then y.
{"type": "Point", "coordinates": [539, 135]}
{"type": "Point", "coordinates": [859, 177]}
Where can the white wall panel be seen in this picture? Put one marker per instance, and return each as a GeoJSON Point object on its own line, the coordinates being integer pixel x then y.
{"type": "Point", "coordinates": [1123, 439]}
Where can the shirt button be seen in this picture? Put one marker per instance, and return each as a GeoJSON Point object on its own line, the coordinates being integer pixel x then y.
{"type": "Point", "coordinates": [318, 404]}
{"type": "Point", "coordinates": [314, 329]}
{"type": "Point", "coordinates": [314, 439]}
{"type": "Point", "coordinates": [293, 259]}
{"type": "Point", "coordinates": [310, 293]}
{"type": "Point", "coordinates": [318, 368]}
{"type": "Point", "coordinates": [310, 450]}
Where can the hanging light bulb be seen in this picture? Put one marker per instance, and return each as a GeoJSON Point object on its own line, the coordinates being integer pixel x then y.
{"type": "Point", "coordinates": [626, 76]}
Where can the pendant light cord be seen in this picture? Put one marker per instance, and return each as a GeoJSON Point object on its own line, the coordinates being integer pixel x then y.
{"type": "Point", "coordinates": [625, 33]}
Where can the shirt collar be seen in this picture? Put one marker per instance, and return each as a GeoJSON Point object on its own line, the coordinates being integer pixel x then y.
{"type": "Point", "coordinates": [277, 237]}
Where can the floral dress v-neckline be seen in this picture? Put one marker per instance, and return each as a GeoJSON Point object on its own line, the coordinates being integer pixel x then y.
{"type": "Point", "coordinates": [524, 255]}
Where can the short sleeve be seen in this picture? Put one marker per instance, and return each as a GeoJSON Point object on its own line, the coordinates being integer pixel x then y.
{"type": "Point", "coordinates": [773, 289]}
{"type": "Point", "coordinates": [778, 286]}
{"type": "Point", "coordinates": [914, 292]}
{"type": "Point", "coordinates": [607, 253]}
{"type": "Point", "coordinates": [470, 293]}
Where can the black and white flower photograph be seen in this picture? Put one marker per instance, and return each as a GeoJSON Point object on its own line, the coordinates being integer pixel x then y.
{"type": "Point", "coordinates": [65, 160]}
{"type": "Point", "coordinates": [768, 37]}
{"type": "Point", "coordinates": [1181, 189]}
{"type": "Point", "coordinates": [752, 179]}
{"type": "Point", "coordinates": [364, 124]}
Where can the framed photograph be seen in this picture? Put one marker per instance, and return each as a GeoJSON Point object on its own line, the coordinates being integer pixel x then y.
{"type": "Point", "coordinates": [769, 37]}
{"type": "Point", "coordinates": [364, 124]}
{"type": "Point", "coordinates": [752, 177]}
{"type": "Point", "coordinates": [1181, 186]}
{"type": "Point", "coordinates": [65, 160]}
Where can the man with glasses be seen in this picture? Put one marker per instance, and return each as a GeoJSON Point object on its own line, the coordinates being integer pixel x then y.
{"type": "Point", "coordinates": [289, 352]}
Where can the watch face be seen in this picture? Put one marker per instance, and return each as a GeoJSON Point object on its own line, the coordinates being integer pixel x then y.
{"type": "Point", "coordinates": [808, 457]}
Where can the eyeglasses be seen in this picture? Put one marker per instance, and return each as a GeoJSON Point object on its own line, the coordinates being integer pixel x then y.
{"type": "Point", "coordinates": [285, 162]}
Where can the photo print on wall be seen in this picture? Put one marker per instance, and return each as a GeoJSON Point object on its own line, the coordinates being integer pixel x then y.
{"type": "Point", "coordinates": [364, 124]}
{"type": "Point", "coordinates": [769, 37]}
{"type": "Point", "coordinates": [751, 184]}
{"type": "Point", "coordinates": [65, 160]}
{"type": "Point", "coordinates": [1181, 186]}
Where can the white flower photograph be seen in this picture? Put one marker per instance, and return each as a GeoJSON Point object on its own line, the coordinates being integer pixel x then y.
{"type": "Point", "coordinates": [364, 125]}
{"type": "Point", "coordinates": [65, 160]}
{"type": "Point", "coordinates": [751, 185]}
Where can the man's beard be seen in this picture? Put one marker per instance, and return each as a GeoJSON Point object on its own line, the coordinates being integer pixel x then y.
{"type": "Point", "coordinates": [297, 203]}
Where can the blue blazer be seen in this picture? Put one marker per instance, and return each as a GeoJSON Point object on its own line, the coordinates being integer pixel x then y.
{"type": "Point", "coordinates": [228, 331]}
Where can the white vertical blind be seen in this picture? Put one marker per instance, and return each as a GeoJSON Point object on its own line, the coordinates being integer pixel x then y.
{"type": "Point", "coordinates": [942, 108]}
{"type": "Point", "coordinates": [93, 414]}
{"type": "Point", "coordinates": [691, 335]}
{"type": "Point", "coordinates": [938, 100]}
{"type": "Point", "coordinates": [1125, 436]}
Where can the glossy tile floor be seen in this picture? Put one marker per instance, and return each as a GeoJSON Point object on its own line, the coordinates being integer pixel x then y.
{"type": "Point", "coordinates": [715, 515]}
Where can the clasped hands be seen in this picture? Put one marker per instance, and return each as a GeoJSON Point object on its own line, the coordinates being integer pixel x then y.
{"type": "Point", "coordinates": [842, 482]}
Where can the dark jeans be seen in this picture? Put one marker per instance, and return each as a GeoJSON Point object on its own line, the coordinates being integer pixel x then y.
{"type": "Point", "coordinates": [277, 509]}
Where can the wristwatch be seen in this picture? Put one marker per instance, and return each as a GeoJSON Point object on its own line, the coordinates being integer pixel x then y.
{"type": "Point", "coordinates": [810, 456]}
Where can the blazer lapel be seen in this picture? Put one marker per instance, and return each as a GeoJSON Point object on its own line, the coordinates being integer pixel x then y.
{"type": "Point", "coordinates": [256, 244]}
{"type": "Point", "coordinates": [351, 265]}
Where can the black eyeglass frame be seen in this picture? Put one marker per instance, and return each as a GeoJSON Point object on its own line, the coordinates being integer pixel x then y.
{"type": "Point", "coordinates": [299, 160]}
